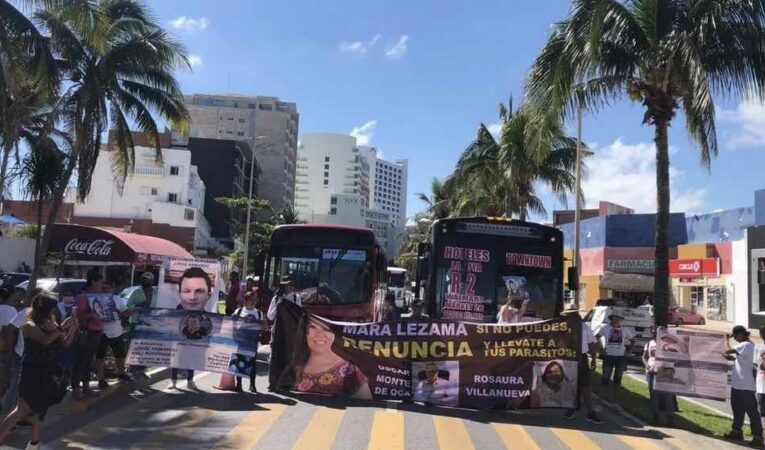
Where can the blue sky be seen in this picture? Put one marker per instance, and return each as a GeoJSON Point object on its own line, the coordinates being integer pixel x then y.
{"type": "Point", "coordinates": [417, 77]}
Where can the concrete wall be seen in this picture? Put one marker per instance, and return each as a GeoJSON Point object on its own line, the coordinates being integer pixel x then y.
{"type": "Point", "coordinates": [14, 251]}
{"type": "Point", "coordinates": [759, 207]}
{"type": "Point", "coordinates": [721, 226]}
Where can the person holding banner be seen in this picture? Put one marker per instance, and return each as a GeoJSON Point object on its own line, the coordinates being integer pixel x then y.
{"type": "Point", "coordinates": [660, 401]}
{"type": "Point", "coordinates": [42, 382]}
{"type": "Point", "coordinates": [112, 338]}
{"type": "Point", "coordinates": [249, 312]}
{"type": "Point", "coordinates": [590, 346]}
{"type": "Point", "coordinates": [91, 329]}
{"type": "Point", "coordinates": [742, 387]}
{"type": "Point", "coordinates": [286, 292]}
{"type": "Point", "coordinates": [194, 289]}
{"type": "Point", "coordinates": [759, 365]}
{"type": "Point", "coordinates": [320, 370]}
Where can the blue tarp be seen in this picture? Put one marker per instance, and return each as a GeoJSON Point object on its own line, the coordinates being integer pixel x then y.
{"type": "Point", "coordinates": [9, 219]}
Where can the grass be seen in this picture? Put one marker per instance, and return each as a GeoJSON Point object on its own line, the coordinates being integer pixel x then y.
{"type": "Point", "coordinates": [633, 397]}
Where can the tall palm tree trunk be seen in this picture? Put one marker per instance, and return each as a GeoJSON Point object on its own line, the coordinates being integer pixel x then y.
{"type": "Point", "coordinates": [661, 259]}
{"type": "Point", "coordinates": [4, 169]}
{"type": "Point", "coordinates": [55, 204]}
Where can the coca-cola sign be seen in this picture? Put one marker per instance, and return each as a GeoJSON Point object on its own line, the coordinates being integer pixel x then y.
{"type": "Point", "coordinates": [96, 247]}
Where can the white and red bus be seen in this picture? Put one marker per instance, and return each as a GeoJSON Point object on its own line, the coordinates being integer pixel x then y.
{"type": "Point", "coordinates": [335, 269]}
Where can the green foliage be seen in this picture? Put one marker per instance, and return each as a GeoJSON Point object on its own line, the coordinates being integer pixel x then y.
{"type": "Point", "coordinates": [241, 203]}
{"type": "Point", "coordinates": [27, 232]}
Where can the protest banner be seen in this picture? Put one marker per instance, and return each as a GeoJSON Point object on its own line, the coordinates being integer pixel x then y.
{"type": "Point", "coordinates": [483, 366]}
{"type": "Point", "coordinates": [106, 306]}
{"type": "Point", "coordinates": [691, 364]}
{"type": "Point", "coordinates": [171, 294]}
{"type": "Point", "coordinates": [194, 340]}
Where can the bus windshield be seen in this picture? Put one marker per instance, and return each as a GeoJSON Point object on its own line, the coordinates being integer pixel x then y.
{"type": "Point", "coordinates": [476, 273]}
{"type": "Point", "coordinates": [326, 276]}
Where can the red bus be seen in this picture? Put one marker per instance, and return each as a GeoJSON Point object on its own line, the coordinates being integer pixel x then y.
{"type": "Point", "coordinates": [335, 269]}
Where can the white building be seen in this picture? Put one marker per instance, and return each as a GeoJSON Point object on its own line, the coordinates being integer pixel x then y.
{"type": "Point", "coordinates": [334, 185]}
{"type": "Point", "coordinates": [387, 185]}
{"type": "Point", "coordinates": [164, 199]}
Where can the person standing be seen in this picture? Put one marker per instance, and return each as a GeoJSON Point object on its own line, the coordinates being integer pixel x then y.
{"type": "Point", "coordinates": [660, 401]}
{"type": "Point", "coordinates": [249, 312]}
{"type": "Point", "coordinates": [39, 386]}
{"type": "Point", "coordinates": [391, 312]}
{"type": "Point", "coordinates": [112, 338]}
{"type": "Point", "coordinates": [759, 364]}
{"type": "Point", "coordinates": [88, 338]}
{"type": "Point", "coordinates": [617, 340]}
{"type": "Point", "coordinates": [286, 292]}
{"type": "Point", "coordinates": [590, 346]}
{"type": "Point", "coordinates": [233, 294]}
{"type": "Point", "coordinates": [743, 400]}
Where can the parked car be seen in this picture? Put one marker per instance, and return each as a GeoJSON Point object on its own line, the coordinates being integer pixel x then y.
{"type": "Point", "coordinates": [11, 279]}
{"type": "Point", "coordinates": [639, 320]}
{"type": "Point", "coordinates": [680, 316]}
{"type": "Point", "coordinates": [58, 285]}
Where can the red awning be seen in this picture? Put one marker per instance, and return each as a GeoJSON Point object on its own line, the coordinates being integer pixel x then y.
{"type": "Point", "coordinates": [82, 243]}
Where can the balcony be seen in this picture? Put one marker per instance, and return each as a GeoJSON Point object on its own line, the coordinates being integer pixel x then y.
{"type": "Point", "coordinates": [149, 171]}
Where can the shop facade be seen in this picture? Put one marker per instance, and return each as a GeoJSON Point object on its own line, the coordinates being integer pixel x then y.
{"type": "Point", "coordinates": [120, 256]}
{"type": "Point", "coordinates": [756, 275]}
{"type": "Point", "coordinates": [702, 280]}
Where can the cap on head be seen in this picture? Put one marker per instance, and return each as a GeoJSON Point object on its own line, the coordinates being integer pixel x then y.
{"type": "Point", "coordinates": [286, 280]}
{"type": "Point", "coordinates": [147, 276]}
{"type": "Point", "coordinates": [615, 316]}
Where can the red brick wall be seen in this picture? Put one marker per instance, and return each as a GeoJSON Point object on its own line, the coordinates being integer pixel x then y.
{"type": "Point", "coordinates": [27, 211]}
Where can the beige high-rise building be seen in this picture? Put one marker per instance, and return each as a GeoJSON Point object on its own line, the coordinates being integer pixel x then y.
{"type": "Point", "coordinates": [243, 118]}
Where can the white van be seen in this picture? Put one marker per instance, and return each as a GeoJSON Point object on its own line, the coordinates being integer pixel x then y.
{"type": "Point", "coordinates": [639, 320]}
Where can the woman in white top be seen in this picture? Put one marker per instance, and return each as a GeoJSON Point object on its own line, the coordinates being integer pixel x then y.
{"type": "Point", "coordinates": [660, 401]}
{"type": "Point", "coordinates": [509, 313]}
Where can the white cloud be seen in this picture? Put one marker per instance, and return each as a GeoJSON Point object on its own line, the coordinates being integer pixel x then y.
{"type": "Point", "coordinates": [399, 48]}
{"type": "Point", "coordinates": [364, 133]}
{"type": "Point", "coordinates": [625, 174]}
{"type": "Point", "coordinates": [359, 47]}
{"type": "Point", "coordinates": [195, 60]}
{"type": "Point", "coordinates": [748, 121]}
{"type": "Point", "coordinates": [190, 24]}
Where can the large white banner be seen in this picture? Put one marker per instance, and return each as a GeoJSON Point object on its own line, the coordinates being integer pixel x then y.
{"type": "Point", "coordinates": [195, 340]}
{"type": "Point", "coordinates": [189, 284]}
{"type": "Point", "coordinates": [691, 364]}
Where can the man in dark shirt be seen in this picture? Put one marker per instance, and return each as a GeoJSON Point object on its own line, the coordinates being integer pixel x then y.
{"type": "Point", "coordinates": [232, 297]}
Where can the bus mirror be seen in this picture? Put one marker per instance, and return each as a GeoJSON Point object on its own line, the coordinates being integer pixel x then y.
{"type": "Point", "coordinates": [573, 279]}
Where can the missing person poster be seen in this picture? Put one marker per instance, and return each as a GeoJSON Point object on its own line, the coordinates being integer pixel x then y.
{"type": "Point", "coordinates": [438, 362]}
{"type": "Point", "coordinates": [690, 363]}
{"type": "Point", "coordinates": [195, 340]}
{"type": "Point", "coordinates": [107, 306]}
{"type": "Point", "coordinates": [189, 284]}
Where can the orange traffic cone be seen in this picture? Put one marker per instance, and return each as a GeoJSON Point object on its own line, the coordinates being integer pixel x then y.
{"type": "Point", "coordinates": [227, 383]}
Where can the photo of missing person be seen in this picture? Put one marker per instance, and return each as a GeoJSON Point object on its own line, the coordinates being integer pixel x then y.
{"type": "Point", "coordinates": [104, 306]}
{"type": "Point", "coordinates": [196, 326]}
{"type": "Point", "coordinates": [437, 382]}
{"type": "Point", "coordinates": [667, 373]}
{"type": "Point", "coordinates": [194, 289]}
{"type": "Point", "coordinates": [240, 365]}
{"type": "Point", "coordinates": [319, 370]}
{"type": "Point", "coordinates": [554, 384]}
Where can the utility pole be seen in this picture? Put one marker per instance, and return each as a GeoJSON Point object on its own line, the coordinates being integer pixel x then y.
{"type": "Point", "coordinates": [578, 193]}
{"type": "Point", "coordinates": [251, 141]}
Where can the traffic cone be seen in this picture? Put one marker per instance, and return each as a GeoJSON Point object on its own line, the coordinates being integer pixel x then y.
{"type": "Point", "coordinates": [227, 383]}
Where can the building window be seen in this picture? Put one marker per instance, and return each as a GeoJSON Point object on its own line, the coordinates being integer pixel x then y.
{"type": "Point", "coordinates": [241, 120]}
{"type": "Point", "coordinates": [333, 201]}
{"type": "Point", "coordinates": [326, 174]}
{"type": "Point", "coordinates": [240, 133]}
{"type": "Point", "coordinates": [326, 159]}
{"type": "Point", "coordinates": [326, 182]}
{"type": "Point", "coordinates": [172, 197]}
{"type": "Point", "coordinates": [333, 211]}
{"type": "Point", "coordinates": [154, 191]}
{"type": "Point", "coordinates": [229, 118]}
{"type": "Point", "coordinates": [229, 132]}
{"type": "Point", "coordinates": [188, 214]}
{"type": "Point", "coordinates": [174, 170]}
{"type": "Point", "coordinates": [326, 166]}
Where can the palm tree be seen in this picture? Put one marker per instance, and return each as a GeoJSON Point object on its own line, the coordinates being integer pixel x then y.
{"type": "Point", "coordinates": [41, 172]}
{"type": "Point", "coordinates": [668, 55]}
{"type": "Point", "coordinates": [438, 201]}
{"type": "Point", "coordinates": [117, 64]}
{"type": "Point", "coordinates": [287, 216]}
{"type": "Point", "coordinates": [494, 178]}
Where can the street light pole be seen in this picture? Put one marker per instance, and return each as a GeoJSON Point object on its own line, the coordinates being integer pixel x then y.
{"type": "Point", "coordinates": [578, 193]}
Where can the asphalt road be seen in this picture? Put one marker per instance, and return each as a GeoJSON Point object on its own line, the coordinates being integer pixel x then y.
{"type": "Point", "coordinates": [153, 418]}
